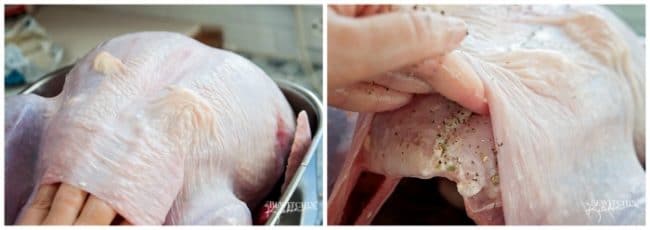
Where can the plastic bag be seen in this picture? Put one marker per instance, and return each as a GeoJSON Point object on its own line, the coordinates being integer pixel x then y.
{"type": "Point", "coordinates": [29, 53]}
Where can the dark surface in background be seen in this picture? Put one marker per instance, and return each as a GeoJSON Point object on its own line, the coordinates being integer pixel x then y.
{"type": "Point", "coordinates": [418, 202]}
{"type": "Point", "coordinates": [211, 36]}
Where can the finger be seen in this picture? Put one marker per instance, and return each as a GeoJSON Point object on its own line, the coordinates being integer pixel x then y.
{"type": "Point", "coordinates": [38, 208]}
{"type": "Point", "coordinates": [369, 46]}
{"type": "Point", "coordinates": [366, 97]}
{"type": "Point", "coordinates": [66, 205]}
{"type": "Point", "coordinates": [404, 81]}
{"type": "Point", "coordinates": [95, 212]}
{"type": "Point", "coordinates": [455, 79]}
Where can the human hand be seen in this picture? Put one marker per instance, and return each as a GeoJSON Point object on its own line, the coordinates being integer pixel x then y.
{"type": "Point", "coordinates": [63, 204]}
{"type": "Point", "coordinates": [366, 42]}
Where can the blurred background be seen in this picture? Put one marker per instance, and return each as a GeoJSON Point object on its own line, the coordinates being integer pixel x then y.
{"type": "Point", "coordinates": [284, 40]}
{"type": "Point", "coordinates": [633, 15]}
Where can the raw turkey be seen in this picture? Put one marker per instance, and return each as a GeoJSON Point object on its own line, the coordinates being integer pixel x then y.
{"type": "Point", "coordinates": [563, 142]}
{"type": "Point", "coordinates": [162, 128]}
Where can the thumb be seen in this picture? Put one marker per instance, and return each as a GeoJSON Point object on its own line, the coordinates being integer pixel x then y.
{"type": "Point", "coordinates": [455, 79]}
{"type": "Point", "coordinates": [359, 49]}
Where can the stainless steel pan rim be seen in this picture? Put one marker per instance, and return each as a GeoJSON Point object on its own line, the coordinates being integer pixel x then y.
{"type": "Point", "coordinates": [317, 134]}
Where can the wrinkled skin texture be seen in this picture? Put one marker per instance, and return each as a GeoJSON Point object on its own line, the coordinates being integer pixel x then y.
{"type": "Point", "coordinates": [160, 127]}
{"type": "Point", "coordinates": [565, 88]}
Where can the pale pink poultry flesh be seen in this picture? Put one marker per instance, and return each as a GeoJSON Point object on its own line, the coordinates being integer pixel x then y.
{"type": "Point", "coordinates": [159, 126]}
{"type": "Point", "coordinates": [565, 130]}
